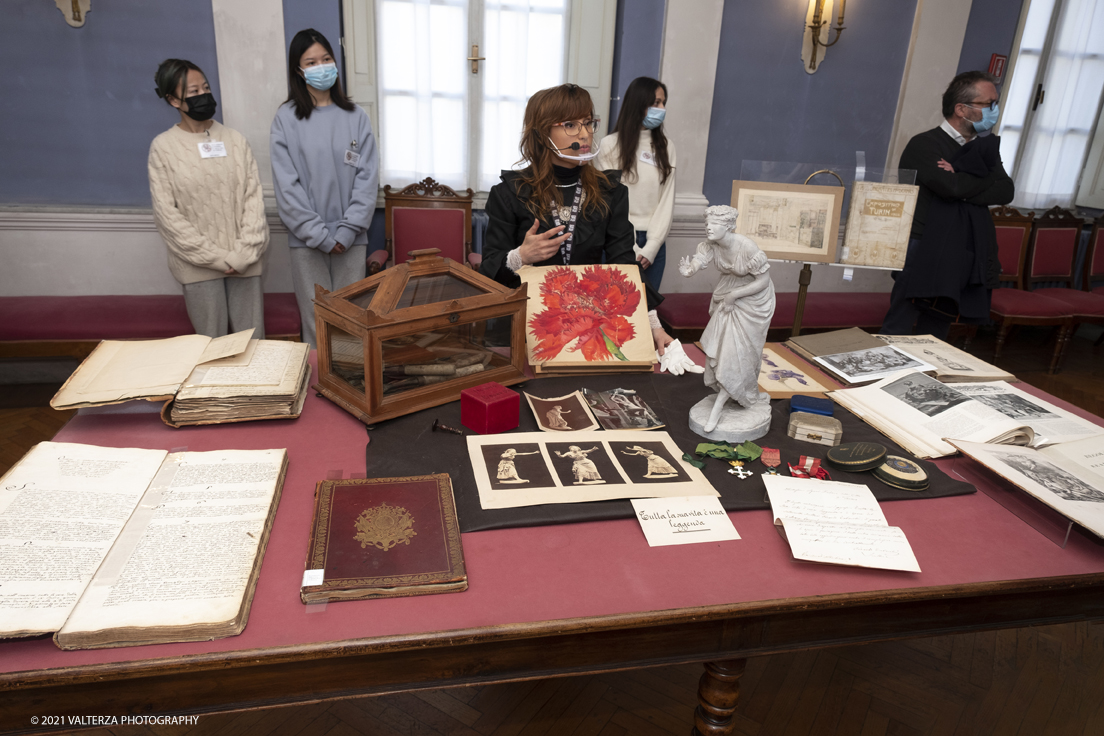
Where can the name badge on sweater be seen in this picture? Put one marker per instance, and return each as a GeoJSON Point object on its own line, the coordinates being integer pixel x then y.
{"type": "Point", "coordinates": [648, 157]}
{"type": "Point", "coordinates": [212, 149]}
{"type": "Point", "coordinates": [351, 159]}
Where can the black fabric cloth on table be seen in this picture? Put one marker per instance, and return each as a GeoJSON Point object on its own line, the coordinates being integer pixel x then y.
{"type": "Point", "coordinates": [407, 446]}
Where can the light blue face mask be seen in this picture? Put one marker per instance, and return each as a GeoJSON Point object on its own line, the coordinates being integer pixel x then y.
{"type": "Point", "coordinates": [654, 118]}
{"type": "Point", "coordinates": [989, 117]}
{"type": "Point", "coordinates": [321, 77]}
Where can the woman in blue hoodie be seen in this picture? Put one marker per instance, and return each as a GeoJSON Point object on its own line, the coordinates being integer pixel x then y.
{"type": "Point", "coordinates": [325, 167]}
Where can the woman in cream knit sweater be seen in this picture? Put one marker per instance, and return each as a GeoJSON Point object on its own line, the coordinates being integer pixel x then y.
{"type": "Point", "coordinates": [646, 159]}
{"type": "Point", "coordinates": [208, 207]}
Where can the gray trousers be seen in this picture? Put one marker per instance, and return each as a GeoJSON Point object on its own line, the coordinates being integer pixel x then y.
{"type": "Point", "coordinates": [331, 271]}
{"type": "Point", "coordinates": [224, 306]}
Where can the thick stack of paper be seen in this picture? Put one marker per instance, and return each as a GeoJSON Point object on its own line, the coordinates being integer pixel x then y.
{"type": "Point", "coordinates": [951, 364]}
{"type": "Point", "coordinates": [268, 381]}
{"type": "Point", "coordinates": [203, 380]}
{"type": "Point", "coordinates": [836, 523]}
{"type": "Point", "coordinates": [920, 413]}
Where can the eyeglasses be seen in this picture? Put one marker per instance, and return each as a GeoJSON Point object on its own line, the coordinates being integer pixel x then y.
{"type": "Point", "coordinates": [574, 127]}
{"type": "Point", "coordinates": [981, 103]}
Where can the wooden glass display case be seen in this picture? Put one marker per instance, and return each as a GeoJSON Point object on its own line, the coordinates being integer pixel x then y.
{"type": "Point", "coordinates": [415, 335]}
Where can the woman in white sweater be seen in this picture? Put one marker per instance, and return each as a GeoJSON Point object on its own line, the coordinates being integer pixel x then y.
{"type": "Point", "coordinates": [638, 147]}
{"type": "Point", "coordinates": [208, 207]}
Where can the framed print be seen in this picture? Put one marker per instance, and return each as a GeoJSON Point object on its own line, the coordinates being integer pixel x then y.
{"type": "Point", "coordinates": [587, 318]}
{"type": "Point", "coordinates": [795, 222]}
{"type": "Point", "coordinates": [878, 224]}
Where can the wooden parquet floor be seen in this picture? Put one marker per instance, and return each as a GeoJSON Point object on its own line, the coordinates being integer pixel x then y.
{"type": "Point", "coordinates": [1045, 681]}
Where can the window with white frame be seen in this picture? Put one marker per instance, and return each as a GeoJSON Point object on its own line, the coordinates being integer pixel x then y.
{"type": "Point", "coordinates": [1051, 107]}
{"type": "Point", "coordinates": [446, 81]}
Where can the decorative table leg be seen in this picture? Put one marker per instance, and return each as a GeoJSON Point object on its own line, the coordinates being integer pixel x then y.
{"type": "Point", "coordinates": [718, 692]}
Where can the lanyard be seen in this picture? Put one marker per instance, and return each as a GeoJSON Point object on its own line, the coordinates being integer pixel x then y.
{"type": "Point", "coordinates": [565, 248]}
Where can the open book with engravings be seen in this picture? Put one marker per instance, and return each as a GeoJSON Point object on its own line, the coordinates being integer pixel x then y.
{"type": "Point", "coordinates": [921, 414]}
{"type": "Point", "coordinates": [114, 547]}
{"type": "Point", "coordinates": [202, 380]}
{"type": "Point", "coordinates": [383, 538]}
{"type": "Point", "coordinates": [854, 357]}
{"type": "Point", "coordinates": [951, 364]}
{"type": "Point", "coordinates": [1068, 477]}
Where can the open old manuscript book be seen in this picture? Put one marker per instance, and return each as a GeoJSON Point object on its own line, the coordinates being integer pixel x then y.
{"type": "Point", "coordinates": [113, 547]}
{"type": "Point", "coordinates": [202, 380]}
{"type": "Point", "coordinates": [921, 414]}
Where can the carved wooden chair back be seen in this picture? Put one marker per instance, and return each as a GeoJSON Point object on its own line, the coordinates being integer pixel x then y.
{"type": "Point", "coordinates": [1013, 235]}
{"type": "Point", "coordinates": [428, 215]}
{"type": "Point", "coordinates": [1053, 248]}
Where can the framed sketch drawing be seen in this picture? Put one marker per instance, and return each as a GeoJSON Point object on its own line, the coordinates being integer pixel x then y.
{"type": "Point", "coordinates": [878, 224]}
{"type": "Point", "coordinates": [531, 468]}
{"type": "Point", "coordinates": [587, 318]}
{"type": "Point", "coordinates": [794, 222]}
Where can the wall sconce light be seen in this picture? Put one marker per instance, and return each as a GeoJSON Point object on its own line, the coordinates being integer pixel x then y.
{"type": "Point", "coordinates": [818, 27]}
{"type": "Point", "coordinates": [74, 11]}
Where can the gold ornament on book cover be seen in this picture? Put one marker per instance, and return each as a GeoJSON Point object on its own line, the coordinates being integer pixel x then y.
{"type": "Point", "coordinates": [384, 527]}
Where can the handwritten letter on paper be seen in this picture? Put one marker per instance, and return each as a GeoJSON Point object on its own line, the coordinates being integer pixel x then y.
{"type": "Point", "coordinates": [837, 523]}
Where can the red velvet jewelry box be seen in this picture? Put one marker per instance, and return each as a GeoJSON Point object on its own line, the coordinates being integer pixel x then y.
{"type": "Point", "coordinates": [490, 408]}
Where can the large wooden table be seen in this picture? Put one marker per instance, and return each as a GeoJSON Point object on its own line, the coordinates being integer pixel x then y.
{"type": "Point", "coordinates": [547, 601]}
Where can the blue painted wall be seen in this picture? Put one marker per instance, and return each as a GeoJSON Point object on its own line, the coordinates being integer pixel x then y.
{"type": "Point", "coordinates": [79, 103]}
{"type": "Point", "coordinates": [638, 46]}
{"type": "Point", "coordinates": [324, 17]}
{"type": "Point", "coordinates": [990, 30]}
{"type": "Point", "coordinates": [766, 108]}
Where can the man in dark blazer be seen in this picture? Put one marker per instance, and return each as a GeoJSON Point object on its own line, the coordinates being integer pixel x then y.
{"type": "Point", "coordinates": [952, 266]}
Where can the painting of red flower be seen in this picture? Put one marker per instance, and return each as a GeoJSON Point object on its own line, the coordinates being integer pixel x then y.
{"type": "Point", "coordinates": [591, 310]}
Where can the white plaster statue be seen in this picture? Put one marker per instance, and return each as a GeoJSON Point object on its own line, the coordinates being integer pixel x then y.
{"type": "Point", "coordinates": [739, 317]}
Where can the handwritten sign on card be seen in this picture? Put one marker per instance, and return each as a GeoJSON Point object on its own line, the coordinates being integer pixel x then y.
{"type": "Point", "coordinates": [683, 520]}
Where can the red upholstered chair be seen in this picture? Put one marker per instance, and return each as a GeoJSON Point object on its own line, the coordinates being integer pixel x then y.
{"type": "Point", "coordinates": [1015, 306]}
{"type": "Point", "coordinates": [1054, 258]}
{"type": "Point", "coordinates": [426, 215]}
{"type": "Point", "coordinates": [1094, 259]}
{"type": "Point", "coordinates": [1094, 264]}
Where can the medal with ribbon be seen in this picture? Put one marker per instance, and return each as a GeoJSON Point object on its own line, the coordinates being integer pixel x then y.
{"type": "Point", "coordinates": [809, 467]}
{"type": "Point", "coordinates": [772, 459]}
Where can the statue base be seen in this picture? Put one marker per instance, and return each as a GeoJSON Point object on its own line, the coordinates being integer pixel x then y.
{"type": "Point", "coordinates": [737, 424]}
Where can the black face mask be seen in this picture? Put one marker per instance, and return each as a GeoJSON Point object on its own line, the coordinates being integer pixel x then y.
{"type": "Point", "coordinates": [201, 107]}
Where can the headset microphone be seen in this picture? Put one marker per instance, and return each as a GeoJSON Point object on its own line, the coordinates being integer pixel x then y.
{"type": "Point", "coordinates": [582, 157]}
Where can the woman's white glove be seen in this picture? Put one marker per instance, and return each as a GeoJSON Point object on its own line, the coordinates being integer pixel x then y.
{"type": "Point", "coordinates": [675, 360]}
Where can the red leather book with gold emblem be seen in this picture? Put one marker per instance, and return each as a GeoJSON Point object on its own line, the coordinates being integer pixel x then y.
{"type": "Point", "coordinates": [383, 537]}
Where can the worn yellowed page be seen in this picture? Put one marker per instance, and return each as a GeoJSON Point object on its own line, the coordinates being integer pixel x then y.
{"type": "Point", "coordinates": [227, 345]}
{"type": "Point", "coordinates": [289, 357]}
{"type": "Point", "coordinates": [61, 508]}
{"type": "Point", "coordinates": [185, 560]}
{"type": "Point", "coordinates": [265, 368]}
{"type": "Point", "coordinates": [123, 370]}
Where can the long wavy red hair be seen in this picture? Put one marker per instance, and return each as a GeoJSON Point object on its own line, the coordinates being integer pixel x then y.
{"type": "Point", "coordinates": [545, 109]}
